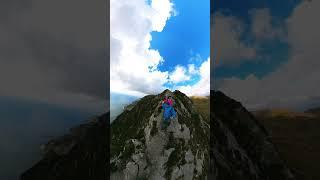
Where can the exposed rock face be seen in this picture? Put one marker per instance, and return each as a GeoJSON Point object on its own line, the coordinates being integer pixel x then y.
{"type": "Point", "coordinates": [240, 147]}
{"type": "Point", "coordinates": [80, 155]}
{"type": "Point", "coordinates": [141, 150]}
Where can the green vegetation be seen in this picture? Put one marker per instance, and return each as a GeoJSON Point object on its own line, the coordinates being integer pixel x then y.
{"type": "Point", "coordinates": [129, 149]}
{"type": "Point", "coordinates": [202, 105]}
{"type": "Point", "coordinates": [113, 167]}
{"type": "Point", "coordinates": [142, 178]}
{"type": "Point", "coordinates": [131, 124]}
{"type": "Point", "coordinates": [297, 140]}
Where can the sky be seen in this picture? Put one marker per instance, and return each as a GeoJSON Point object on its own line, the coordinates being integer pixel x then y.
{"type": "Point", "coordinates": [159, 44]}
{"type": "Point", "coordinates": [265, 53]}
{"type": "Point", "coordinates": [53, 74]}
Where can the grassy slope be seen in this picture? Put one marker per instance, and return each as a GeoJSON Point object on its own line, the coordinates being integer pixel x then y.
{"type": "Point", "coordinates": [298, 141]}
{"type": "Point", "coordinates": [202, 104]}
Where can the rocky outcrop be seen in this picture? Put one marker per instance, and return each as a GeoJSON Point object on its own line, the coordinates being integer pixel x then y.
{"type": "Point", "coordinates": [240, 146]}
{"type": "Point", "coordinates": [140, 149]}
{"type": "Point", "coordinates": [80, 155]}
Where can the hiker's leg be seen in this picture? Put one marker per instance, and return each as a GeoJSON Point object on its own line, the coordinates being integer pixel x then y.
{"type": "Point", "coordinates": [164, 123]}
{"type": "Point", "coordinates": [167, 123]}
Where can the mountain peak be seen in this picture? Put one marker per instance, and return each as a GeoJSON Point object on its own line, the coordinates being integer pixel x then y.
{"type": "Point", "coordinates": [166, 93]}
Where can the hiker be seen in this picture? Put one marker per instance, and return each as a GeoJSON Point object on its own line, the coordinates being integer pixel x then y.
{"type": "Point", "coordinates": [167, 100]}
{"type": "Point", "coordinates": [170, 101]}
{"type": "Point", "coordinates": [168, 112]}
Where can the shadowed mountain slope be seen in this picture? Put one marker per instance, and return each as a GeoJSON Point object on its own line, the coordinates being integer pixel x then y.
{"type": "Point", "coordinates": [82, 154]}
{"type": "Point", "coordinates": [240, 145]}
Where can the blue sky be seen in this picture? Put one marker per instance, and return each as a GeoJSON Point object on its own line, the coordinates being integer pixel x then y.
{"type": "Point", "coordinates": [265, 52]}
{"type": "Point", "coordinates": [184, 35]}
{"type": "Point", "coordinates": [185, 38]}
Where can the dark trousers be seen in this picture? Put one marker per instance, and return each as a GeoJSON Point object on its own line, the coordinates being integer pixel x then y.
{"type": "Point", "coordinates": [165, 123]}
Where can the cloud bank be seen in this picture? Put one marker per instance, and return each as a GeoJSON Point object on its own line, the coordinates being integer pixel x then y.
{"type": "Point", "coordinates": [51, 55]}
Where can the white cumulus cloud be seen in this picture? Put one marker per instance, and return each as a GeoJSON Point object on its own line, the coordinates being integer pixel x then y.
{"type": "Point", "coordinates": [202, 87]}
{"type": "Point", "coordinates": [192, 69]}
{"type": "Point", "coordinates": [133, 65]}
{"type": "Point", "coordinates": [180, 74]}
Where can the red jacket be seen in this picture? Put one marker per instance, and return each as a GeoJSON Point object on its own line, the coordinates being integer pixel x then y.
{"type": "Point", "coordinates": [169, 101]}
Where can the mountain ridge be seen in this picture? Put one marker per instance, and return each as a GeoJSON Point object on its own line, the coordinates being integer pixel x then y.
{"type": "Point", "coordinates": [152, 153]}
{"type": "Point", "coordinates": [233, 146]}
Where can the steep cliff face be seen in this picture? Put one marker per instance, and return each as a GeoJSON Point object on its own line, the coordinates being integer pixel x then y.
{"type": "Point", "coordinates": [140, 149]}
{"type": "Point", "coordinates": [80, 155]}
{"type": "Point", "coordinates": [240, 146]}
